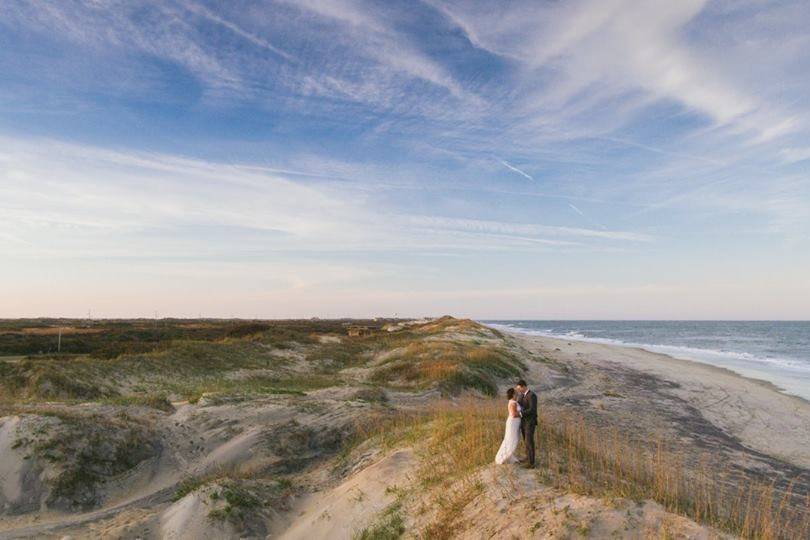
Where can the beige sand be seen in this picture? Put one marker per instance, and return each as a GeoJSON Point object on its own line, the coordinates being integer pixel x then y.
{"type": "Point", "coordinates": [348, 508]}
{"type": "Point", "coordinates": [12, 464]}
{"type": "Point", "coordinates": [514, 504]}
{"type": "Point", "coordinates": [187, 519]}
{"type": "Point", "coordinates": [755, 412]}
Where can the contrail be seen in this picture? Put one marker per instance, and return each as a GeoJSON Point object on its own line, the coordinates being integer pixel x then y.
{"type": "Point", "coordinates": [515, 169]}
{"type": "Point", "coordinates": [577, 210]}
{"type": "Point", "coordinates": [589, 220]}
{"type": "Point", "coordinates": [256, 40]}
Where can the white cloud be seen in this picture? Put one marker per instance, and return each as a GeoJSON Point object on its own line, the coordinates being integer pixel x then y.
{"type": "Point", "coordinates": [795, 155]}
{"type": "Point", "coordinates": [378, 39]}
{"type": "Point", "coordinates": [611, 47]}
{"type": "Point", "coordinates": [484, 226]}
{"type": "Point", "coordinates": [127, 28]}
{"type": "Point", "coordinates": [64, 200]}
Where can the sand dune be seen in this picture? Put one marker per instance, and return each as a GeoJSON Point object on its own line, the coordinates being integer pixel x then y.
{"type": "Point", "coordinates": [344, 510]}
{"type": "Point", "coordinates": [269, 465]}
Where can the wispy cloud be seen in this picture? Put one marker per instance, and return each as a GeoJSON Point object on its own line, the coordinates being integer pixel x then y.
{"type": "Point", "coordinates": [795, 155]}
{"type": "Point", "coordinates": [485, 226]}
{"type": "Point", "coordinates": [66, 200]}
{"type": "Point", "coordinates": [621, 47]}
{"type": "Point", "coordinates": [376, 38]}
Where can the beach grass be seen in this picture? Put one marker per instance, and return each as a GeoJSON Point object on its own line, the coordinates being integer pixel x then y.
{"type": "Point", "coordinates": [458, 441]}
{"type": "Point", "coordinates": [253, 359]}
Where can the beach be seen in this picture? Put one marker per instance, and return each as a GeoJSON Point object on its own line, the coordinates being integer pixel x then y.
{"type": "Point", "coordinates": [690, 401]}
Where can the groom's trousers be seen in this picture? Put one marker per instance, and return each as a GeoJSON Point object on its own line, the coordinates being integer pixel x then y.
{"type": "Point", "coordinates": [527, 431]}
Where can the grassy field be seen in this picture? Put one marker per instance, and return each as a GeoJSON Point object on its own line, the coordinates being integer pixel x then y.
{"type": "Point", "coordinates": [182, 360]}
{"type": "Point", "coordinates": [112, 338]}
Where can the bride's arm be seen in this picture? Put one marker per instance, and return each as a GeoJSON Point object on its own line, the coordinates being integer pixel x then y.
{"type": "Point", "coordinates": [513, 410]}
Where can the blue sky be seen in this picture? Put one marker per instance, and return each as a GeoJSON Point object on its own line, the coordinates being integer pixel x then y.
{"type": "Point", "coordinates": [579, 159]}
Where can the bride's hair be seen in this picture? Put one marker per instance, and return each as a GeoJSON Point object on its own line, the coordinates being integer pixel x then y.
{"type": "Point", "coordinates": [510, 393]}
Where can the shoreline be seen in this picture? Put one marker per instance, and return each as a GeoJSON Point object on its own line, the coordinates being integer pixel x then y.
{"type": "Point", "coordinates": [752, 411]}
{"type": "Point", "coordinates": [650, 349]}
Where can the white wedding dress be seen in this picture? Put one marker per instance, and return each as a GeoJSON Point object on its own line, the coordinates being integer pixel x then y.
{"type": "Point", "coordinates": [511, 436]}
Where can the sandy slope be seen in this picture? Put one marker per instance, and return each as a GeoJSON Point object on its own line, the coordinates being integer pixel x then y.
{"type": "Point", "coordinates": [187, 519]}
{"type": "Point", "coordinates": [196, 441]}
{"type": "Point", "coordinates": [346, 509]}
{"type": "Point", "coordinates": [13, 468]}
{"type": "Point", "coordinates": [514, 504]}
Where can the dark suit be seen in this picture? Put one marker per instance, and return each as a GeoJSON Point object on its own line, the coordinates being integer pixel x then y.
{"type": "Point", "coordinates": [528, 422]}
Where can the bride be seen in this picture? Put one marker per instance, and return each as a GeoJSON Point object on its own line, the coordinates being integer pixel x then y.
{"type": "Point", "coordinates": [511, 437]}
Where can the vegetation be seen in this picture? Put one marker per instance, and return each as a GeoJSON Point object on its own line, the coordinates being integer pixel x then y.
{"type": "Point", "coordinates": [189, 485]}
{"type": "Point", "coordinates": [112, 338]}
{"type": "Point", "coordinates": [236, 496]}
{"type": "Point", "coordinates": [85, 451]}
{"type": "Point", "coordinates": [453, 365]}
{"type": "Point", "coordinates": [389, 525]}
{"type": "Point", "coordinates": [459, 441]}
{"type": "Point", "coordinates": [154, 401]}
{"type": "Point", "coordinates": [238, 501]}
{"type": "Point", "coordinates": [371, 394]}
{"type": "Point", "coordinates": [246, 359]}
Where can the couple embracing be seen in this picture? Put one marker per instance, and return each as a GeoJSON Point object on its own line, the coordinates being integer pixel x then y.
{"type": "Point", "coordinates": [521, 421]}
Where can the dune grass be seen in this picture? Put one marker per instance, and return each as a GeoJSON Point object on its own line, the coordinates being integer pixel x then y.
{"type": "Point", "coordinates": [112, 338]}
{"type": "Point", "coordinates": [389, 525]}
{"type": "Point", "coordinates": [458, 441]}
{"type": "Point", "coordinates": [247, 359]}
{"type": "Point", "coordinates": [252, 386]}
{"type": "Point", "coordinates": [238, 497]}
{"type": "Point", "coordinates": [84, 450]}
{"type": "Point", "coordinates": [453, 365]}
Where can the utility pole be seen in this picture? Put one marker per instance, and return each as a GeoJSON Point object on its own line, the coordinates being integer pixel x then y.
{"type": "Point", "coordinates": [59, 341]}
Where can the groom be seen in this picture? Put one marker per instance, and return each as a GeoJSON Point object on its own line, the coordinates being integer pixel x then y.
{"type": "Point", "coordinates": [528, 418]}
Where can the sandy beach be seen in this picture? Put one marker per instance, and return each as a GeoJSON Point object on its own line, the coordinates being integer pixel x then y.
{"type": "Point", "coordinates": [665, 394]}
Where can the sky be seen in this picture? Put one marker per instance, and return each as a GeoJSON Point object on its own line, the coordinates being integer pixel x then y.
{"type": "Point", "coordinates": [586, 159]}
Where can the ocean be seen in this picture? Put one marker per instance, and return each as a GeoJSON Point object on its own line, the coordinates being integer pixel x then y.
{"type": "Point", "coordinates": [774, 351]}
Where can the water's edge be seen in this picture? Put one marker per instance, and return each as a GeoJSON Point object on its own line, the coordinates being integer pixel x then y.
{"type": "Point", "coordinates": [789, 376]}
